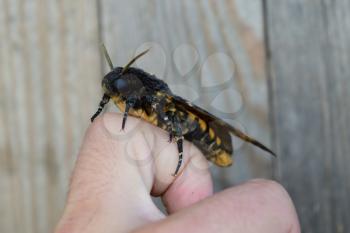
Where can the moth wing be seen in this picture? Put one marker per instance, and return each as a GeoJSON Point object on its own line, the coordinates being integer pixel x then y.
{"type": "Point", "coordinates": [218, 123]}
{"type": "Point", "coordinates": [213, 123]}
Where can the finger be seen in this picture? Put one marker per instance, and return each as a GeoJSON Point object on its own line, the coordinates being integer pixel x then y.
{"type": "Point", "coordinates": [192, 185]}
{"type": "Point", "coordinates": [257, 206]}
{"type": "Point", "coordinates": [117, 169]}
{"type": "Point", "coordinates": [193, 182]}
{"type": "Point", "coordinates": [110, 186]}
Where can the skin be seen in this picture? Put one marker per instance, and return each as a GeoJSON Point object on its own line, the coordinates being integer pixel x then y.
{"type": "Point", "coordinates": [117, 172]}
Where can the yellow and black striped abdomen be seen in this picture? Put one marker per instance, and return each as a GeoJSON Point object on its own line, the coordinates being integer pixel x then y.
{"type": "Point", "coordinates": [213, 140]}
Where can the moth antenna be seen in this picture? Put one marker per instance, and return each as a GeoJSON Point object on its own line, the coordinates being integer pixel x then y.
{"type": "Point", "coordinates": [134, 59]}
{"type": "Point", "coordinates": [105, 53]}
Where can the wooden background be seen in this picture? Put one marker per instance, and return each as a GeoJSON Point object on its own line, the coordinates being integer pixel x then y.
{"type": "Point", "coordinates": [292, 77]}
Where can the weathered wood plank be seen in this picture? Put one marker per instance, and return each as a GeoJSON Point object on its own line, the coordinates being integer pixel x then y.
{"type": "Point", "coordinates": [49, 71]}
{"type": "Point", "coordinates": [50, 85]}
{"type": "Point", "coordinates": [310, 55]}
{"type": "Point", "coordinates": [233, 29]}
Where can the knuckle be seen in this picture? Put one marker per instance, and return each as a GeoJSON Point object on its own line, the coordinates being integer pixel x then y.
{"type": "Point", "coordinates": [271, 189]}
{"type": "Point", "coordinates": [277, 200]}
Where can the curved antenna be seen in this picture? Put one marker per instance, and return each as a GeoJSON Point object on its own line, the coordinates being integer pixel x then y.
{"type": "Point", "coordinates": [134, 59]}
{"type": "Point", "coordinates": [105, 53]}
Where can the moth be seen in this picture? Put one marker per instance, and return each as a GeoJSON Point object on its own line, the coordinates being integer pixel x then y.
{"type": "Point", "coordinates": [143, 95]}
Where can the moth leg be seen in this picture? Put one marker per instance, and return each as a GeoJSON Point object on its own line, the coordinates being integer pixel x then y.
{"type": "Point", "coordinates": [165, 117]}
{"type": "Point", "coordinates": [128, 104]}
{"type": "Point", "coordinates": [169, 125]}
{"type": "Point", "coordinates": [176, 132]}
{"type": "Point", "coordinates": [103, 102]}
{"type": "Point", "coordinates": [179, 141]}
{"type": "Point", "coordinates": [171, 136]}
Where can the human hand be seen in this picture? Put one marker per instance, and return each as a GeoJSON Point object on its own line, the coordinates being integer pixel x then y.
{"type": "Point", "coordinates": [116, 171]}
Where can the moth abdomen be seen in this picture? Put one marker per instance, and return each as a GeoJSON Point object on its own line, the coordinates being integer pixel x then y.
{"type": "Point", "coordinates": [214, 144]}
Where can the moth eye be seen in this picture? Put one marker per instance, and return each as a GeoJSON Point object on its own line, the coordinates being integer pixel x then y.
{"type": "Point", "coordinates": [121, 85]}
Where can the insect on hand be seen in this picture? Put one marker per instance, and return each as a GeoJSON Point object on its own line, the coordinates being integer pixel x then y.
{"type": "Point", "coordinates": [143, 95]}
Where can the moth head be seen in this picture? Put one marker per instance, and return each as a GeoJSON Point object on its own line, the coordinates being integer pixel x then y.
{"type": "Point", "coordinates": [121, 80]}
{"type": "Point", "coordinates": [121, 83]}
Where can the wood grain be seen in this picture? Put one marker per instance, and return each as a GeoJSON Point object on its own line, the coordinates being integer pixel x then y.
{"type": "Point", "coordinates": [310, 57]}
{"type": "Point", "coordinates": [49, 73]}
